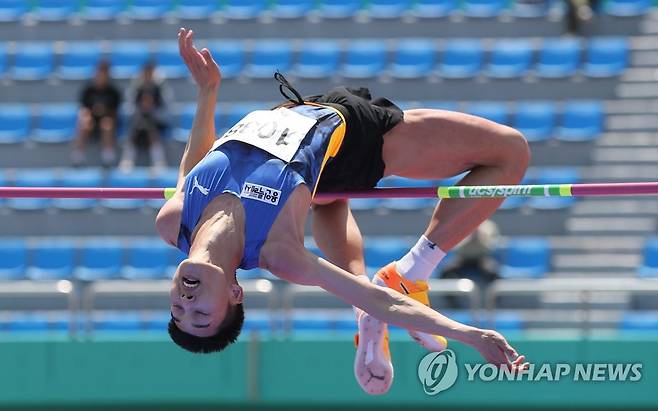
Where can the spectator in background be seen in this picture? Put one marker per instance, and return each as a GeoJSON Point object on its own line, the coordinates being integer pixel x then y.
{"type": "Point", "coordinates": [150, 97]}
{"type": "Point", "coordinates": [98, 115]}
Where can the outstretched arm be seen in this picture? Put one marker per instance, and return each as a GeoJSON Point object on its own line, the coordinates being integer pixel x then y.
{"type": "Point", "coordinates": [207, 77]}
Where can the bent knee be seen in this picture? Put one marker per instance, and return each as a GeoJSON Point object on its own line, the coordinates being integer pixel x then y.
{"type": "Point", "coordinates": [515, 152]}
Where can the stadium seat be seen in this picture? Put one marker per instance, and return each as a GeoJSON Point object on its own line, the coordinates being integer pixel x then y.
{"type": "Point", "coordinates": [3, 59]}
{"type": "Point", "coordinates": [535, 120]}
{"type": "Point", "coordinates": [406, 203]}
{"type": "Point", "coordinates": [80, 177]}
{"type": "Point", "coordinates": [440, 105]}
{"type": "Point", "coordinates": [509, 58]}
{"type": "Point", "coordinates": [79, 60]}
{"type": "Point", "coordinates": [196, 9]}
{"type": "Point", "coordinates": [38, 177]}
{"type": "Point", "coordinates": [168, 62]}
{"type": "Point", "coordinates": [260, 321]}
{"type": "Point", "coordinates": [525, 257]}
{"type": "Point", "coordinates": [649, 267]}
{"type": "Point", "coordinates": [493, 111]}
{"type": "Point", "coordinates": [183, 124]}
{"type": "Point", "coordinates": [461, 59]}
{"type": "Point", "coordinates": [530, 9]}
{"type": "Point", "coordinates": [38, 322]}
{"type": "Point", "coordinates": [339, 9]}
{"type": "Point", "coordinates": [14, 123]}
{"type": "Point", "coordinates": [244, 9]}
{"type": "Point", "coordinates": [99, 260]}
{"type": "Point", "coordinates": [174, 257]}
{"type": "Point", "coordinates": [55, 123]}
{"type": "Point", "coordinates": [55, 10]}
{"type": "Point", "coordinates": [135, 178]}
{"type": "Point", "coordinates": [380, 251]}
{"type": "Point", "coordinates": [606, 57]}
{"type": "Point", "coordinates": [149, 9]}
{"type": "Point", "coordinates": [388, 9]}
{"type": "Point", "coordinates": [559, 57]}
{"type": "Point", "coordinates": [13, 258]}
{"type": "Point", "coordinates": [51, 259]}
{"type": "Point", "coordinates": [12, 10]}
{"type": "Point", "coordinates": [627, 8]}
{"type": "Point", "coordinates": [292, 9]}
{"type": "Point", "coordinates": [554, 175]}
{"type": "Point", "coordinates": [413, 58]}
{"type": "Point", "coordinates": [103, 10]}
{"type": "Point", "coordinates": [581, 121]}
{"type": "Point", "coordinates": [365, 204]}
{"type": "Point", "coordinates": [166, 178]}
{"type": "Point", "coordinates": [127, 58]}
{"type": "Point", "coordinates": [639, 321]}
{"type": "Point", "coordinates": [148, 259]}
{"type": "Point", "coordinates": [434, 8]}
{"type": "Point", "coordinates": [111, 321]}
{"type": "Point", "coordinates": [483, 8]}
{"type": "Point", "coordinates": [508, 321]}
{"type": "Point", "coordinates": [363, 59]}
{"type": "Point", "coordinates": [267, 57]}
{"type": "Point", "coordinates": [317, 59]}
{"type": "Point", "coordinates": [32, 61]}
{"type": "Point", "coordinates": [236, 112]}
{"type": "Point", "coordinates": [231, 54]}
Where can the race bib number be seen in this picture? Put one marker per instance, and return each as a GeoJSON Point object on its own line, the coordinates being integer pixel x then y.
{"type": "Point", "coordinates": [279, 132]}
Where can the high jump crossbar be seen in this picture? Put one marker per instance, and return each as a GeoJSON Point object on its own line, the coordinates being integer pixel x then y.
{"type": "Point", "coordinates": [501, 191]}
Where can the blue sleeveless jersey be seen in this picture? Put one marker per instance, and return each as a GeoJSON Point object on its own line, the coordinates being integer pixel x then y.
{"type": "Point", "coordinates": [262, 181]}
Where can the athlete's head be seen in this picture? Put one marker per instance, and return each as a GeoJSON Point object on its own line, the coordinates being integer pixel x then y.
{"type": "Point", "coordinates": [206, 307]}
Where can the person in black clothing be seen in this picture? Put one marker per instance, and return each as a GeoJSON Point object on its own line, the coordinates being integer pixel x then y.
{"type": "Point", "coordinates": [98, 115]}
{"type": "Point", "coordinates": [150, 97]}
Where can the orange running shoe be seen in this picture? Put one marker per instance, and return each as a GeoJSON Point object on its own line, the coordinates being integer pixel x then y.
{"type": "Point", "coordinates": [372, 365]}
{"type": "Point", "coordinates": [418, 291]}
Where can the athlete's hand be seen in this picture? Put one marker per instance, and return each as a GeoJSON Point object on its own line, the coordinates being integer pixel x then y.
{"type": "Point", "coordinates": [203, 67]}
{"type": "Point", "coordinates": [496, 350]}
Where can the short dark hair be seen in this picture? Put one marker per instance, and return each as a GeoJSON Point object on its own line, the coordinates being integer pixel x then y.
{"type": "Point", "coordinates": [227, 334]}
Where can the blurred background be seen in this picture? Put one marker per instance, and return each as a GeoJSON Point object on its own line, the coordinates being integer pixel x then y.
{"type": "Point", "coordinates": [93, 93]}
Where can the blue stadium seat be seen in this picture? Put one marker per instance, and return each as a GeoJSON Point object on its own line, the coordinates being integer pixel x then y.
{"type": "Point", "coordinates": [79, 177]}
{"type": "Point", "coordinates": [461, 59]}
{"type": "Point", "coordinates": [267, 57]}
{"type": "Point", "coordinates": [365, 204]}
{"type": "Point", "coordinates": [339, 9]}
{"type": "Point", "coordinates": [581, 121]}
{"type": "Point", "coordinates": [236, 112]}
{"type": "Point", "coordinates": [38, 322]}
{"type": "Point", "coordinates": [183, 125]}
{"type": "Point", "coordinates": [148, 259]}
{"type": "Point", "coordinates": [434, 8]}
{"type": "Point", "coordinates": [127, 58]}
{"type": "Point", "coordinates": [363, 59]}
{"type": "Point", "coordinates": [440, 105]}
{"type": "Point", "coordinates": [103, 10]}
{"type": "Point", "coordinates": [168, 61]}
{"type": "Point", "coordinates": [388, 9]}
{"type": "Point", "coordinates": [413, 58]}
{"type": "Point", "coordinates": [318, 59]}
{"type": "Point", "coordinates": [627, 8]}
{"type": "Point", "coordinates": [113, 321]}
{"type": "Point", "coordinates": [530, 9]}
{"type": "Point", "coordinates": [3, 59]}
{"type": "Point", "coordinates": [244, 9]}
{"type": "Point", "coordinates": [99, 260]}
{"type": "Point", "coordinates": [55, 10]}
{"type": "Point", "coordinates": [32, 61]}
{"type": "Point", "coordinates": [150, 9]}
{"type": "Point", "coordinates": [260, 321]}
{"type": "Point", "coordinates": [196, 9]}
{"type": "Point", "coordinates": [230, 55]}
{"type": "Point", "coordinates": [554, 175]}
{"type": "Point", "coordinates": [51, 259]}
{"type": "Point", "coordinates": [79, 60]}
{"type": "Point", "coordinates": [649, 267]}
{"type": "Point", "coordinates": [32, 178]}
{"type": "Point", "coordinates": [292, 9]}
{"type": "Point", "coordinates": [166, 178]}
{"type": "Point", "coordinates": [135, 178]}
{"type": "Point", "coordinates": [406, 203]}
{"type": "Point", "coordinates": [12, 10]}
{"type": "Point", "coordinates": [510, 58]}
{"type": "Point", "coordinates": [14, 123]}
{"type": "Point", "coordinates": [639, 321]}
{"type": "Point", "coordinates": [380, 251]}
{"type": "Point", "coordinates": [606, 57]}
{"type": "Point", "coordinates": [509, 321]}
{"type": "Point", "coordinates": [174, 257]}
{"type": "Point", "coordinates": [525, 257]}
{"type": "Point", "coordinates": [13, 258]}
{"type": "Point", "coordinates": [55, 123]}
{"type": "Point", "coordinates": [536, 120]}
{"type": "Point", "coordinates": [483, 8]}
{"type": "Point", "coordinates": [559, 57]}
{"type": "Point", "coordinates": [490, 110]}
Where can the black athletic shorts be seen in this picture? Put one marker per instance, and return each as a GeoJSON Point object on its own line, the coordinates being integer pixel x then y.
{"type": "Point", "coordinates": [358, 164]}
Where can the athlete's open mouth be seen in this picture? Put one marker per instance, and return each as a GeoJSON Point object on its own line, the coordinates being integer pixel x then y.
{"type": "Point", "coordinates": [190, 283]}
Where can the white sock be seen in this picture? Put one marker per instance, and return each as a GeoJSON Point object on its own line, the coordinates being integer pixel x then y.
{"type": "Point", "coordinates": [420, 261]}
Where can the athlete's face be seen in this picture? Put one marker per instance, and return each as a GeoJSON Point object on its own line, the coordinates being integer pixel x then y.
{"type": "Point", "coordinates": [200, 297]}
